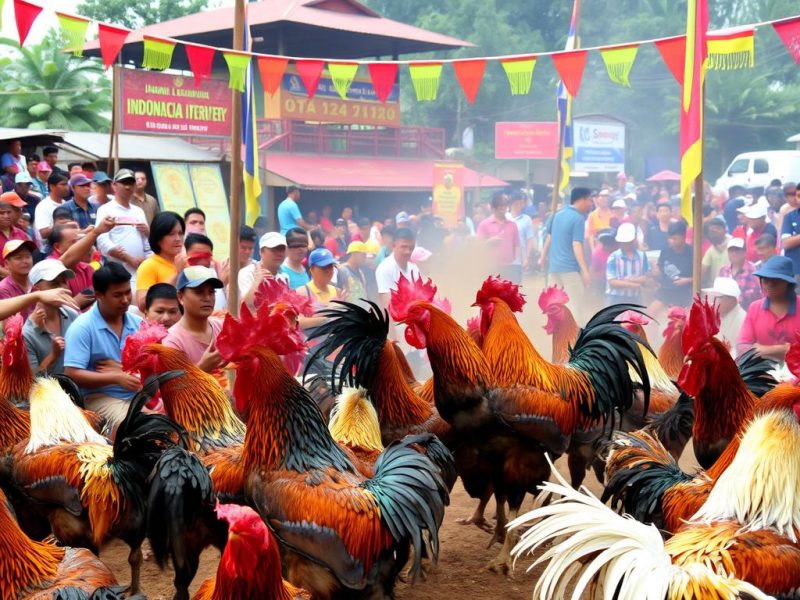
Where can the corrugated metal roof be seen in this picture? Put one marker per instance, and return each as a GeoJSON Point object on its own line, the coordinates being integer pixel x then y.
{"type": "Point", "coordinates": [140, 147]}
{"type": "Point", "coordinates": [12, 133]}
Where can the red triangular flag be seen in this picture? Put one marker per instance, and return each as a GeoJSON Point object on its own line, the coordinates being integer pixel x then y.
{"type": "Point", "coordinates": [111, 41]}
{"type": "Point", "coordinates": [200, 60]}
{"type": "Point", "coordinates": [272, 69]}
{"type": "Point", "coordinates": [789, 32]}
{"type": "Point", "coordinates": [310, 72]}
{"type": "Point", "coordinates": [383, 76]}
{"type": "Point", "coordinates": [570, 67]}
{"type": "Point", "coordinates": [673, 51]}
{"type": "Point", "coordinates": [469, 74]}
{"type": "Point", "coordinates": [25, 14]}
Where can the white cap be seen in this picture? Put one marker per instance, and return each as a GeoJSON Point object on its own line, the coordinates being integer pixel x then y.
{"type": "Point", "coordinates": [619, 203]}
{"type": "Point", "coordinates": [736, 242]}
{"type": "Point", "coordinates": [420, 254]}
{"type": "Point", "coordinates": [754, 211]}
{"type": "Point", "coordinates": [272, 239]}
{"type": "Point", "coordinates": [630, 196]}
{"type": "Point", "coordinates": [47, 270]}
{"type": "Point", "coordinates": [724, 286]}
{"type": "Point", "coordinates": [626, 233]}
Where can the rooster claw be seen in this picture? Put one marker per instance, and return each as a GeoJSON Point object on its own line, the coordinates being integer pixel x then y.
{"type": "Point", "coordinates": [499, 536]}
{"type": "Point", "coordinates": [481, 523]}
{"type": "Point", "coordinates": [500, 564]}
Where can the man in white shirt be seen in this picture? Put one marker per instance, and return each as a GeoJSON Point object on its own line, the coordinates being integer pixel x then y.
{"type": "Point", "coordinates": [527, 236]}
{"type": "Point", "coordinates": [399, 261]}
{"type": "Point", "coordinates": [127, 243]}
{"type": "Point", "coordinates": [726, 292]}
{"type": "Point", "coordinates": [272, 247]}
{"type": "Point", "coordinates": [58, 190]}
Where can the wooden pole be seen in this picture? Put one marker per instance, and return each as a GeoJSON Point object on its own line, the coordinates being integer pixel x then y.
{"type": "Point", "coordinates": [114, 110]}
{"type": "Point", "coordinates": [697, 214]}
{"type": "Point", "coordinates": [236, 169]}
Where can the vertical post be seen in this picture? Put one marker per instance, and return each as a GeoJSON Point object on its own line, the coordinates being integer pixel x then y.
{"type": "Point", "coordinates": [697, 216]}
{"type": "Point", "coordinates": [236, 169]}
{"type": "Point", "coordinates": [112, 137]}
{"type": "Point", "coordinates": [118, 116]}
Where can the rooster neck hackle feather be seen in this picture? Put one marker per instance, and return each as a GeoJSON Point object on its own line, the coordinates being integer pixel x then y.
{"type": "Point", "coordinates": [16, 424]}
{"type": "Point", "coordinates": [101, 494]}
{"type": "Point", "coordinates": [354, 422]}
{"type": "Point", "coordinates": [394, 400]}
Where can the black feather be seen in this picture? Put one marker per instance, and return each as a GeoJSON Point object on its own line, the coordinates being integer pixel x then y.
{"type": "Point", "coordinates": [71, 389]}
{"type": "Point", "coordinates": [675, 425]}
{"type": "Point", "coordinates": [755, 372]}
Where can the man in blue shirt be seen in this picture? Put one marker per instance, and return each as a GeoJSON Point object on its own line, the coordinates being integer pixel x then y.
{"type": "Point", "coordinates": [289, 214]}
{"type": "Point", "coordinates": [565, 250]}
{"type": "Point", "coordinates": [790, 233]}
{"type": "Point", "coordinates": [83, 210]}
{"type": "Point", "coordinates": [93, 345]}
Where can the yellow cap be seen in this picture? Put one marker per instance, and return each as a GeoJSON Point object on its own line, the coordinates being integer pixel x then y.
{"type": "Point", "coordinates": [356, 247]}
{"type": "Point", "coordinates": [372, 246]}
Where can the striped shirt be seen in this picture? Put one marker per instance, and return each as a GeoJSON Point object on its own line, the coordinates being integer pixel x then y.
{"type": "Point", "coordinates": [622, 266]}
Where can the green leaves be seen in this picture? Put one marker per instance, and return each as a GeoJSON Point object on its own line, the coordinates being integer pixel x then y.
{"type": "Point", "coordinates": [137, 13]}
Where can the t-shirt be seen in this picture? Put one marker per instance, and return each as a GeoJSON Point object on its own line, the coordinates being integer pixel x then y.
{"type": "Point", "coordinates": [43, 215]}
{"type": "Point", "coordinates": [621, 266]}
{"type": "Point", "coordinates": [288, 214]}
{"type": "Point", "coordinates": [149, 206]}
{"type": "Point", "coordinates": [39, 343]}
{"type": "Point", "coordinates": [296, 278]}
{"type": "Point", "coordinates": [247, 277]}
{"type": "Point", "coordinates": [526, 233]}
{"type": "Point", "coordinates": [675, 265]}
{"type": "Point", "coordinates": [715, 259]}
{"type": "Point", "coordinates": [83, 216]}
{"type": "Point", "coordinates": [124, 235]}
{"type": "Point", "coordinates": [353, 282]}
{"type": "Point", "coordinates": [762, 326]}
{"type": "Point", "coordinates": [154, 269]}
{"type": "Point", "coordinates": [506, 251]}
{"type": "Point", "coordinates": [388, 274]}
{"type": "Point", "coordinates": [567, 226]}
{"type": "Point", "coordinates": [184, 340]}
{"type": "Point", "coordinates": [9, 160]}
{"type": "Point", "coordinates": [11, 289]}
{"type": "Point", "coordinates": [657, 239]}
{"type": "Point", "coordinates": [83, 275]}
{"type": "Point", "coordinates": [791, 227]}
{"type": "Point", "coordinates": [597, 221]}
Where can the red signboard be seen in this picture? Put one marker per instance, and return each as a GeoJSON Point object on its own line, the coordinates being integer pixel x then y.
{"type": "Point", "coordinates": [526, 140]}
{"type": "Point", "coordinates": [158, 103]}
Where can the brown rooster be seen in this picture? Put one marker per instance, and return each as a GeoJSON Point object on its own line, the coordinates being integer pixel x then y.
{"type": "Point", "coordinates": [343, 535]}
{"type": "Point", "coordinates": [511, 427]}
{"type": "Point", "coordinates": [16, 376]}
{"type": "Point", "coordinates": [561, 325]}
{"type": "Point", "coordinates": [40, 571]}
{"type": "Point", "coordinates": [670, 355]}
{"type": "Point", "coordinates": [250, 566]}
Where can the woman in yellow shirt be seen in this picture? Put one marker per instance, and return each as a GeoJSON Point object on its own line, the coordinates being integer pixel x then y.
{"type": "Point", "coordinates": [168, 259]}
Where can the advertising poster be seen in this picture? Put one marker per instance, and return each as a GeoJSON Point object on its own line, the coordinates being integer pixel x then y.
{"type": "Point", "coordinates": [527, 141]}
{"type": "Point", "coordinates": [448, 192]}
{"type": "Point", "coordinates": [174, 186]}
{"type": "Point", "coordinates": [599, 146]}
{"type": "Point", "coordinates": [209, 191]}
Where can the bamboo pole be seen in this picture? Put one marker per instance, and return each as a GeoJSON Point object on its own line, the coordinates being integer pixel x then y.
{"type": "Point", "coordinates": [236, 169]}
{"type": "Point", "coordinates": [112, 137]}
{"type": "Point", "coordinates": [697, 213]}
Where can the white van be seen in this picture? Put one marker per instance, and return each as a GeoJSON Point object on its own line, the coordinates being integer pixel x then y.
{"type": "Point", "coordinates": [757, 169]}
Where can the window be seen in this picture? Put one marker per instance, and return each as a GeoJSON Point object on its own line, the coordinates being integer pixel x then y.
{"type": "Point", "coordinates": [760, 166]}
{"type": "Point", "coordinates": [739, 166]}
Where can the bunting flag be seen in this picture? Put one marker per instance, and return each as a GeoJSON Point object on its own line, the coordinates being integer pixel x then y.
{"type": "Point", "coordinates": [692, 102]}
{"type": "Point", "coordinates": [383, 76]}
{"type": "Point", "coordinates": [733, 50]}
{"type": "Point", "coordinates": [619, 62]}
{"type": "Point", "coordinates": [73, 32]}
{"type": "Point", "coordinates": [111, 41]}
{"type": "Point", "coordinates": [310, 72]}
{"type": "Point", "coordinates": [673, 52]}
{"type": "Point", "coordinates": [272, 69]}
{"type": "Point", "coordinates": [425, 77]}
{"type": "Point", "coordinates": [570, 67]}
{"type": "Point", "coordinates": [157, 53]}
{"type": "Point", "coordinates": [25, 14]}
{"type": "Point", "coordinates": [201, 58]}
{"type": "Point", "coordinates": [250, 179]}
{"type": "Point", "coordinates": [564, 107]}
{"type": "Point", "coordinates": [789, 32]}
{"type": "Point", "coordinates": [469, 74]}
{"type": "Point", "coordinates": [519, 72]}
{"type": "Point", "coordinates": [238, 66]}
{"type": "Point", "coordinates": [342, 75]}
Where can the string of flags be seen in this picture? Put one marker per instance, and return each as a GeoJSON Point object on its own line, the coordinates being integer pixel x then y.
{"type": "Point", "coordinates": [728, 49]}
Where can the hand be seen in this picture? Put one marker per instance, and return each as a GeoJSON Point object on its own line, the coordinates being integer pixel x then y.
{"type": "Point", "coordinates": [682, 281]}
{"type": "Point", "coordinates": [180, 261]}
{"type": "Point", "coordinates": [259, 274]}
{"type": "Point", "coordinates": [38, 315]}
{"type": "Point", "coordinates": [224, 270]}
{"type": "Point", "coordinates": [143, 228]}
{"type": "Point", "coordinates": [58, 345]}
{"type": "Point", "coordinates": [585, 278]}
{"type": "Point", "coordinates": [133, 262]}
{"type": "Point", "coordinates": [108, 365]}
{"type": "Point", "coordinates": [104, 226]}
{"type": "Point", "coordinates": [129, 382]}
{"type": "Point", "coordinates": [58, 297]}
{"type": "Point", "coordinates": [211, 359]}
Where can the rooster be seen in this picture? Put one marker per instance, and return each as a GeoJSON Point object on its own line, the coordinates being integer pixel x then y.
{"type": "Point", "coordinates": [92, 491]}
{"type": "Point", "coordinates": [16, 376]}
{"type": "Point", "coordinates": [250, 566]}
{"type": "Point", "coordinates": [510, 426]}
{"type": "Point", "coordinates": [670, 355]}
{"type": "Point", "coordinates": [343, 535]}
{"type": "Point", "coordinates": [740, 542]}
{"type": "Point", "coordinates": [560, 322]}
{"type": "Point", "coordinates": [354, 425]}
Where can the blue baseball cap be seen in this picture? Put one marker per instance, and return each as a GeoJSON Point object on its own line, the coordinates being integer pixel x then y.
{"type": "Point", "coordinates": [196, 276]}
{"type": "Point", "coordinates": [321, 257]}
{"type": "Point", "coordinates": [101, 177]}
{"type": "Point", "coordinates": [777, 267]}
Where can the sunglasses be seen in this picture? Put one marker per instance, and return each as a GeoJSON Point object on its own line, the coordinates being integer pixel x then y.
{"type": "Point", "coordinates": [295, 246]}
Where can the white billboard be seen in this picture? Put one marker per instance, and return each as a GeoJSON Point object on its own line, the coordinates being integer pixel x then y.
{"type": "Point", "coordinates": [599, 145]}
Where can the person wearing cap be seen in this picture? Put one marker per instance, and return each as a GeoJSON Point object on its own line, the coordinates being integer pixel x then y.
{"type": "Point", "coordinates": [619, 209]}
{"type": "Point", "coordinates": [43, 332]}
{"type": "Point", "coordinates": [755, 225]}
{"type": "Point", "coordinates": [23, 183]}
{"type": "Point", "coordinates": [289, 215]}
{"type": "Point", "coordinates": [83, 211]}
{"type": "Point", "coordinates": [272, 251]}
{"type": "Point", "coordinates": [502, 238]}
{"type": "Point", "coordinates": [13, 161]}
{"type": "Point", "coordinates": [742, 271]}
{"type": "Point", "coordinates": [101, 189]}
{"type": "Point", "coordinates": [773, 322]}
{"type": "Point", "coordinates": [18, 258]}
{"type": "Point", "coordinates": [675, 267]}
{"type": "Point", "coordinates": [195, 334]}
{"type": "Point", "coordinates": [352, 279]}
{"type": "Point", "coordinates": [627, 268]}
{"type": "Point", "coordinates": [8, 231]}
{"type": "Point", "coordinates": [338, 241]}
{"type": "Point", "coordinates": [94, 343]}
{"type": "Point", "coordinates": [599, 218]}
{"type": "Point", "coordinates": [127, 243]}
{"type": "Point", "coordinates": [57, 191]}
{"type": "Point", "coordinates": [296, 253]}
{"type": "Point", "coordinates": [168, 258]}
{"type": "Point", "coordinates": [39, 179]}
{"type": "Point", "coordinates": [321, 265]}
{"type": "Point", "coordinates": [726, 292]}
{"type": "Point", "coordinates": [402, 219]}
{"type": "Point", "coordinates": [142, 199]}
{"type": "Point", "coordinates": [716, 257]}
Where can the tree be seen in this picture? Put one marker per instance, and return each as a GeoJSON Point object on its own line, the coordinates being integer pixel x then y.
{"type": "Point", "coordinates": [44, 87]}
{"type": "Point", "coordinates": [138, 13]}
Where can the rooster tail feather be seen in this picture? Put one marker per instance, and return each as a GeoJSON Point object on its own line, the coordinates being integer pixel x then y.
{"type": "Point", "coordinates": [676, 423]}
{"type": "Point", "coordinates": [361, 334]}
{"type": "Point", "coordinates": [639, 470]}
{"type": "Point", "coordinates": [756, 372]}
{"type": "Point", "coordinates": [439, 455]}
{"type": "Point", "coordinates": [592, 545]}
{"type": "Point", "coordinates": [411, 496]}
{"type": "Point", "coordinates": [604, 350]}
{"type": "Point", "coordinates": [180, 492]}
{"type": "Point", "coordinates": [103, 593]}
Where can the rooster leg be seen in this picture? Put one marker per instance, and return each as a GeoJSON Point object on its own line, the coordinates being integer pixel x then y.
{"type": "Point", "coordinates": [500, 524]}
{"type": "Point", "coordinates": [477, 517]}
{"type": "Point", "coordinates": [502, 563]}
{"type": "Point", "coordinates": [135, 561]}
{"type": "Point", "coordinates": [577, 468]}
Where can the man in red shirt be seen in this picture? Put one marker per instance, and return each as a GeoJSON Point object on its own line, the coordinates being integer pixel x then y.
{"type": "Point", "coordinates": [8, 231]}
{"type": "Point", "coordinates": [502, 236]}
{"type": "Point", "coordinates": [755, 226]}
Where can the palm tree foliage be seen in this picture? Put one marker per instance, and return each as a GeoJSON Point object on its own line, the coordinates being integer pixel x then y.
{"type": "Point", "coordinates": [45, 87]}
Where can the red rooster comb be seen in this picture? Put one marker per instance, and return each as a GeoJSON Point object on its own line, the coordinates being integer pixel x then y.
{"type": "Point", "coordinates": [237, 515]}
{"type": "Point", "coordinates": [676, 319]}
{"type": "Point", "coordinates": [793, 358]}
{"type": "Point", "coordinates": [414, 290]}
{"type": "Point", "coordinates": [13, 346]}
{"type": "Point", "coordinates": [149, 333]}
{"type": "Point", "coordinates": [552, 296]}
{"type": "Point", "coordinates": [279, 296]}
{"type": "Point", "coordinates": [632, 320]}
{"type": "Point", "coordinates": [704, 321]}
{"type": "Point", "coordinates": [496, 287]}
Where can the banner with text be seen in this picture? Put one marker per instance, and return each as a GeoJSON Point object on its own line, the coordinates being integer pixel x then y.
{"type": "Point", "coordinates": [448, 192]}
{"type": "Point", "coordinates": [361, 106]}
{"type": "Point", "coordinates": [157, 103]}
{"type": "Point", "coordinates": [529, 140]}
{"type": "Point", "coordinates": [599, 145]}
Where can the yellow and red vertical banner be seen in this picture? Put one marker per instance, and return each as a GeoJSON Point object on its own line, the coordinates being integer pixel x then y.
{"type": "Point", "coordinates": [692, 102]}
{"type": "Point", "coordinates": [448, 192]}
